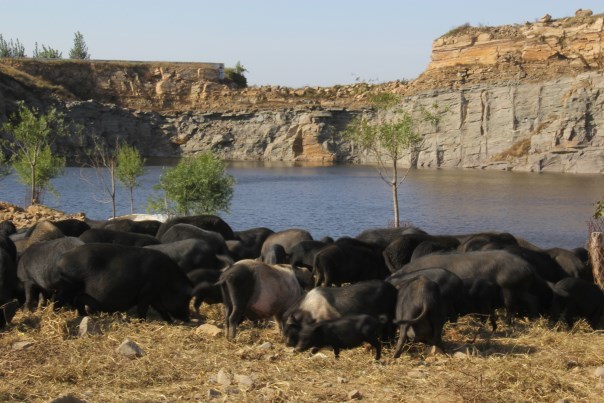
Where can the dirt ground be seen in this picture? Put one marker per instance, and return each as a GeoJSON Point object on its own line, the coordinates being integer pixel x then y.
{"type": "Point", "coordinates": [43, 358]}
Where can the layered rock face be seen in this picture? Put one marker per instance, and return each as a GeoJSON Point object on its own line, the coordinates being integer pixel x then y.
{"type": "Point", "coordinates": [133, 85]}
{"type": "Point", "coordinates": [525, 97]}
{"type": "Point", "coordinates": [284, 135]}
{"type": "Point", "coordinates": [542, 126]}
{"type": "Point", "coordinates": [578, 40]}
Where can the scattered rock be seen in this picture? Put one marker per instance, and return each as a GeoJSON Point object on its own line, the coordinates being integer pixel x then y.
{"type": "Point", "coordinates": [265, 346]}
{"type": "Point", "coordinates": [130, 349]}
{"type": "Point", "coordinates": [599, 372]}
{"type": "Point", "coordinates": [563, 401]}
{"type": "Point", "coordinates": [245, 381]}
{"type": "Point", "coordinates": [354, 395]}
{"type": "Point", "coordinates": [88, 327]}
{"type": "Point", "coordinates": [545, 18]}
{"type": "Point", "coordinates": [69, 398]}
{"type": "Point", "coordinates": [209, 330]}
{"type": "Point", "coordinates": [213, 394]}
{"type": "Point", "coordinates": [319, 356]}
{"type": "Point", "coordinates": [22, 345]}
{"type": "Point", "coordinates": [224, 378]}
{"type": "Point", "coordinates": [583, 13]}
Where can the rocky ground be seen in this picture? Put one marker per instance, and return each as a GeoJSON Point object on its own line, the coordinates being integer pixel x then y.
{"type": "Point", "coordinates": [23, 218]}
{"type": "Point", "coordinates": [46, 355]}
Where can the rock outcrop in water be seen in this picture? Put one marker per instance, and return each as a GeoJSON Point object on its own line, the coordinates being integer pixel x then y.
{"type": "Point", "coordinates": [523, 97]}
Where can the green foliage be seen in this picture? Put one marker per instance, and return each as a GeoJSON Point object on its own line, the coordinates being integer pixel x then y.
{"type": "Point", "coordinates": [47, 166]}
{"type": "Point", "coordinates": [11, 48]}
{"type": "Point", "coordinates": [33, 133]}
{"type": "Point", "coordinates": [235, 74]}
{"type": "Point", "coordinates": [196, 185]}
{"type": "Point", "coordinates": [431, 116]}
{"type": "Point", "coordinates": [46, 53]}
{"type": "Point", "coordinates": [387, 139]}
{"type": "Point", "coordinates": [5, 168]}
{"type": "Point", "coordinates": [599, 213]}
{"type": "Point", "coordinates": [385, 100]}
{"type": "Point", "coordinates": [79, 49]}
{"type": "Point", "coordinates": [130, 166]}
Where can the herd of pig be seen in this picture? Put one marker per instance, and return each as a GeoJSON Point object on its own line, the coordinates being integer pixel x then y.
{"type": "Point", "coordinates": [380, 285]}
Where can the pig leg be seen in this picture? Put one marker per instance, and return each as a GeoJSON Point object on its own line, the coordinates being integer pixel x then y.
{"type": "Point", "coordinates": [377, 345]}
{"type": "Point", "coordinates": [240, 299]}
{"type": "Point", "coordinates": [402, 339]}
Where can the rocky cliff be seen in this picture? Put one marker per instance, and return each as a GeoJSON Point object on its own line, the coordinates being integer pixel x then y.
{"type": "Point", "coordinates": [523, 97]}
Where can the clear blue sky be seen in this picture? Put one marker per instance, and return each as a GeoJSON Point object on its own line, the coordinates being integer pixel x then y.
{"type": "Point", "coordinates": [280, 42]}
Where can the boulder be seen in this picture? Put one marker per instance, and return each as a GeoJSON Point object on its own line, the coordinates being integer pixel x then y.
{"type": "Point", "coordinates": [130, 349]}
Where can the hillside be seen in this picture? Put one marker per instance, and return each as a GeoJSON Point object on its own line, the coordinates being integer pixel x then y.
{"type": "Point", "coordinates": [520, 97]}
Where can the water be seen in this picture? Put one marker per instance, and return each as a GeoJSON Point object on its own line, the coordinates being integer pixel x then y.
{"type": "Point", "coordinates": [546, 209]}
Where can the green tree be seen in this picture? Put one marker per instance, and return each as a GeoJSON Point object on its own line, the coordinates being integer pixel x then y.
{"type": "Point", "coordinates": [5, 168]}
{"type": "Point", "coordinates": [388, 137]}
{"type": "Point", "coordinates": [599, 213]}
{"type": "Point", "coordinates": [79, 49]}
{"type": "Point", "coordinates": [235, 74]}
{"type": "Point", "coordinates": [33, 133]}
{"type": "Point", "coordinates": [130, 165]}
{"type": "Point", "coordinates": [11, 48]}
{"type": "Point", "coordinates": [196, 185]}
{"type": "Point", "coordinates": [46, 53]}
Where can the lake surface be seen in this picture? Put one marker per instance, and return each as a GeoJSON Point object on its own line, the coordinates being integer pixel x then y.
{"type": "Point", "coordinates": [546, 209]}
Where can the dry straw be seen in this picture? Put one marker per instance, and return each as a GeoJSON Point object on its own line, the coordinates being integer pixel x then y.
{"type": "Point", "coordinates": [532, 362]}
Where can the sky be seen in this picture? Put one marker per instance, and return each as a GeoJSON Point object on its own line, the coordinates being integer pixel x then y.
{"type": "Point", "coordinates": [279, 42]}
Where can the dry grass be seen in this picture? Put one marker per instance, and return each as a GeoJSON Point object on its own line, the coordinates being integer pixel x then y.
{"type": "Point", "coordinates": [34, 82]}
{"type": "Point", "coordinates": [517, 150]}
{"type": "Point", "coordinates": [529, 363]}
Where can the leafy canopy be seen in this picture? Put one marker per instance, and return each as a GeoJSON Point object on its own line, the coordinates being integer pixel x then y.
{"type": "Point", "coordinates": [386, 139]}
{"type": "Point", "coordinates": [387, 136]}
{"type": "Point", "coordinates": [79, 49]}
{"type": "Point", "coordinates": [33, 133]}
{"type": "Point", "coordinates": [235, 74]}
{"type": "Point", "coordinates": [599, 213]}
{"type": "Point", "coordinates": [47, 167]}
{"type": "Point", "coordinates": [11, 48]}
{"type": "Point", "coordinates": [46, 53]}
{"type": "Point", "coordinates": [130, 165]}
{"type": "Point", "coordinates": [196, 185]}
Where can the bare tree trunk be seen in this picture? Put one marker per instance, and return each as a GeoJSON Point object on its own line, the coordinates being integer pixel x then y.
{"type": "Point", "coordinates": [395, 204]}
{"type": "Point", "coordinates": [394, 187]}
{"type": "Point", "coordinates": [112, 173]}
{"type": "Point", "coordinates": [33, 186]}
{"type": "Point", "coordinates": [131, 201]}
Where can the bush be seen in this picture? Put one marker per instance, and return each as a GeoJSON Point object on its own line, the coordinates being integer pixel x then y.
{"type": "Point", "coordinates": [11, 49]}
{"type": "Point", "coordinates": [235, 75]}
{"type": "Point", "coordinates": [196, 185]}
{"type": "Point", "coordinates": [46, 53]}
